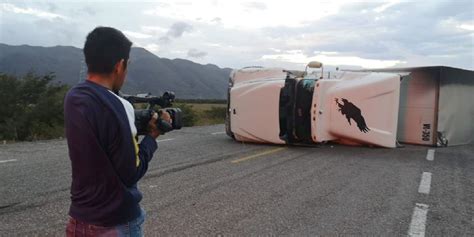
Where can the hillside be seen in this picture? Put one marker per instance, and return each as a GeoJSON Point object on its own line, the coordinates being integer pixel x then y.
{"type": "Point", "coordinates": [147, 72]}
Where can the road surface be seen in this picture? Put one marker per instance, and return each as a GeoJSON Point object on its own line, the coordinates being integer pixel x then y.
{"type": "Point", "coordinates": [200, 182]}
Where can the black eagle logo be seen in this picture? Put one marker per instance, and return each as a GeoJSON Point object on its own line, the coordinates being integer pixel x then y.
{"type": "Point", "coordinates": [352, 112]}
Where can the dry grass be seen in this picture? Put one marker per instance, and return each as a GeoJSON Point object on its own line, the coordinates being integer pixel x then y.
{"type": "Point", "coordinates": [204, 116]}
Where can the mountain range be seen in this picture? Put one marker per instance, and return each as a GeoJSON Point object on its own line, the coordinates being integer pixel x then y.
{"type": "Point", "coordinates": [146, 73]}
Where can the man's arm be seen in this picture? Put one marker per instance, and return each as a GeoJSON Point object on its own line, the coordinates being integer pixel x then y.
{"type": "Point", "coordinates": [147, 147]}
{"type": "Point", "coordinates": [85, 148]}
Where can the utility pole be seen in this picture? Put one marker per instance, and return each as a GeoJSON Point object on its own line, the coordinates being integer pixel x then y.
{"type": "Point", "coordinates": [82, 72]}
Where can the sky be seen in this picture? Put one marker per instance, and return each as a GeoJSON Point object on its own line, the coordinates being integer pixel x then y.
{"type": "Point", "coordinates": [270, 33]}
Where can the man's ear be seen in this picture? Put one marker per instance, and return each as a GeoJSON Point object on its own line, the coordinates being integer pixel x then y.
{"type": "Point", "coordinates": [118, 66]}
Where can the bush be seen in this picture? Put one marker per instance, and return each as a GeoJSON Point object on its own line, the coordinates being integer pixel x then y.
{"type": "Point", "coordinates": [201, 114]}
{"type": "Point", "coordinates": [32, 107]}
{"type": "Point", "coordinates": [189, 115]}
{"type": "Point", "coordinates": [216, 113]}
{"type": "Point", "coordinates": [201, 101]}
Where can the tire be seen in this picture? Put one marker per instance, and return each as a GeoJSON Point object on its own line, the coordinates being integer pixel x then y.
{"type": "Point", "coordinates": [227, 127]}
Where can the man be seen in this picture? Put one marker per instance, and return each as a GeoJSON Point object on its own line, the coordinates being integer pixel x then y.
{"type": "Point", "coordinates": [107, 162]}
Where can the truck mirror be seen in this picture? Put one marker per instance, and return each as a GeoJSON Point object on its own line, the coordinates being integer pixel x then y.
{"type": "Point", "coordinates": [315, 64]}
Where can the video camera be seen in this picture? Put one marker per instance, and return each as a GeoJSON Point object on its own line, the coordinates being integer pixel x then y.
{"type": "Point", "coordinates": [143, 116]}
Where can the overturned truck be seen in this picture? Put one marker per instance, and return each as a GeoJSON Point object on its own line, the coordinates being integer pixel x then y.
{"type": "Point", "coordinates": [431, 106]}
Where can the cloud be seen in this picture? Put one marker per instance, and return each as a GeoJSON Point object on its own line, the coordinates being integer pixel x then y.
{"type": "Point", "coordinates": [331, 58]}
{"type": "Point", "coordinates": [249, 15]}
{"type": "Point", "coordinates": [164, 39]}
{"type": "Point", "coordinates": [255, 5]}
{"type": "Point", "coordinates": [194, 53]}
{"type": "Point", "coordinates": [262, 32]}
{"type": "Point", "coordinates": [469, 27]}
{"type": "Point", "coordinates": [152, 47]}
{"type": "Point", "coordinates": [58, 32]}
{"type": "Point", "coordinates": [178, 29]}
{"type": "Point", "coordinates": [153, 29]}
{"type": "Point", "coordinates": [136, 35]}
{"type": "Point", "coordinates": [385, 6]}
{"type": "Point", "coordinates": [89, 10]}
{"type": "Point", "coordinates": [30, 11]}
{"type": "Point", "coordinates": [216, 20]}
{"type": "Point", "coordinates": [400, 35]}
{"type": "Point", "coordinates": [52, 7]}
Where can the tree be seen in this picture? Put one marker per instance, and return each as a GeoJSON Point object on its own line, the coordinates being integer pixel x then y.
{"type": "Point", "coordinates": [32, 107]}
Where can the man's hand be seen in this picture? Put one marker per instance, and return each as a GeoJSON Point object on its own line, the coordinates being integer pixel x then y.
{"type": "Point", "coordinates": [165, 116]}
{"type": "Point", "coordinates": [152, 128]}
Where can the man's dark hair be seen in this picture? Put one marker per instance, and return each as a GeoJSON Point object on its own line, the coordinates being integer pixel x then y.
{"type": "Point", "coordinates": [104, 47]}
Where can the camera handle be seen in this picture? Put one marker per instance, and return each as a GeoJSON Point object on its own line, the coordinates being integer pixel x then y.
{"type": "Point", "coordinates": [163, 125]}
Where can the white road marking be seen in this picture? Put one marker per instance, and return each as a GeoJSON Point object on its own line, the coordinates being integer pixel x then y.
{"type": "Point", "coordinates": [165, 140]}
{"type": "Point", "coordinates": [425, 183]}
{"type": "Point", "coordinates": [6, 161]}
{"type": "Point", "coordinates": [217, 133]}
{"type": "Point", "coordinates": [418, 220]}
{"type": "Point", "coordinates": [430, 155]}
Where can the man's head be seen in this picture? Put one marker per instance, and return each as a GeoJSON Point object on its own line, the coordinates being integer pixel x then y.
{"type": "Point", "coordinates": [107, 51]}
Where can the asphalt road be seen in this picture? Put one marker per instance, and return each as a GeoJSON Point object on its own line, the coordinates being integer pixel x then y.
{"type": "Point", "coordinates": [201, 182]}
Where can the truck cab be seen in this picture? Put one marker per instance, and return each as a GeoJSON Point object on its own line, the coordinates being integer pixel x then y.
{"type": "Point", "coordinates": [274, 105]}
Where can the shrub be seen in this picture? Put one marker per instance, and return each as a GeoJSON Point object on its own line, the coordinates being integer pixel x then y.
{"type": "Point", "coordinates": [32, 107]}
{"type": "Point", "coordinates": [190, 116]}
{"type": "Point", "coordinates": [216, 113]}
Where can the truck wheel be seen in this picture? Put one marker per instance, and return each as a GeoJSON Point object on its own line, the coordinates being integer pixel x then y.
{"type": "Point", "coordinates": [227, 127]}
